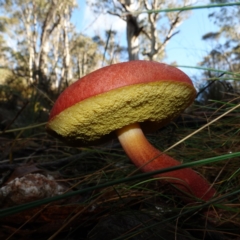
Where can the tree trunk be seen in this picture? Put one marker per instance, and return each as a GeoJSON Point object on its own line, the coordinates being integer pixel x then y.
{"type": "Point", "coordinates": [66, 61]}
{"type": "Point", "coordinates": [133, 31]}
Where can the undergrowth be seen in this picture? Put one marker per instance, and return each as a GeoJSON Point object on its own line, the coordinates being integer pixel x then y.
{"type": "Point", "coordinates": [136, 209]}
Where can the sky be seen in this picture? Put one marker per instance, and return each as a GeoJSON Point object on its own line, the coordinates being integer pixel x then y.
{"type": "Point", "coordinates": [185, 48]}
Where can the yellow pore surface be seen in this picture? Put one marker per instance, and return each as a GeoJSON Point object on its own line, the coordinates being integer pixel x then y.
{"type": "Point", "coordinates": [94, 117]}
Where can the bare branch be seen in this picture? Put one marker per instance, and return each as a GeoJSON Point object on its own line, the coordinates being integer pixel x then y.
{"type": "Point", "coordinates": [116, 14]}
{"type": "Point", "coordinates": [170, 33]}
{"type": "Point", "coordinates": [146, 5]}
{"type": "Point", "coordinates": [153, 36]}
{"type": "Point", "coordinates": [166, 40]}
{"type": "Point", "coordinates": [146, 34]}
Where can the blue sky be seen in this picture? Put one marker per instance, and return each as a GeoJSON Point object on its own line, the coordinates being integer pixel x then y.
{"type": "Point", "coordinates": [185, 48]}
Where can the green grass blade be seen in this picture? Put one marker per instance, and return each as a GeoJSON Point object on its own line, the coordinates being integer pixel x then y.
{"type": "Point", "coordinates": [16, 209]}
{"type": "Point", "coordinates": [188, 8]}
{"type": "Point", "coordinates": [208, 69]}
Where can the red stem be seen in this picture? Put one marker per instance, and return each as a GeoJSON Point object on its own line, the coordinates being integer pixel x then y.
{"type": "Point", "coordinates": [148, 158]}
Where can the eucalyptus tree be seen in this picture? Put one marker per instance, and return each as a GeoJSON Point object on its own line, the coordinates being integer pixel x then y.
{"type": "Point", "coordinates": [3, 45]}
{"type": "Point", "coordinates": [225, 54]}
{"type": "Point", "coordinates": [85, 55]}
{"type": "Point", "coordinates": [226, 38]}
{"type": "Point", "coordinates": [113, 51]}
{"type": "Point", "coordinates": [40, 32]}
{"type": "Point", "coordinates": [148, 30]}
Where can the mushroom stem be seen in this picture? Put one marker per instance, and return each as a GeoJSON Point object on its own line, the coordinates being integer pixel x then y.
{"type": "Point", "coordinates": [147, 158]}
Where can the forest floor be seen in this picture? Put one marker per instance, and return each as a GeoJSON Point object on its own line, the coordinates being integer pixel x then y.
{"type": "Point", "coordinates": [52, 191]}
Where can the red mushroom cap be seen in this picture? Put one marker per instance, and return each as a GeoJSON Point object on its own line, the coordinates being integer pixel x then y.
{"type": "Point", "coordinates": [93, 107]}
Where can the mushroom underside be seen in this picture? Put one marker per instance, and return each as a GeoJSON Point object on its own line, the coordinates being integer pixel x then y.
{"type": "Point", "coordinates": [88, 121]}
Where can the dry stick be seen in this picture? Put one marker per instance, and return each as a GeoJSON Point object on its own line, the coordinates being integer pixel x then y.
{"type": "Point", "coordinates": [224, 105]}
{"type": "Point", "coordinates": [24, 128]}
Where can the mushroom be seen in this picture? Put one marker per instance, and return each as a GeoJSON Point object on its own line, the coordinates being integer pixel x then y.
{"type": "Point", "coordinates": [129, 99]}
